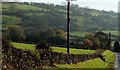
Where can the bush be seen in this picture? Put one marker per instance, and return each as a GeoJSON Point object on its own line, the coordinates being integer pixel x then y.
{"type": "Point", "coordinates": [43, 45]}
{"type": "Point", "coordinates": [80, 45]}
{"type": "Point", "coordinates": [116, 46]}
{"type": "Point", "coordinates": [6, 45]}
{"type": "Point", "coordinates": [99, 51]}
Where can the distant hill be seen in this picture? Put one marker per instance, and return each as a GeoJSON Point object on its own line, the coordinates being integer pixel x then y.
{"type": "Point", "coordinates": [41, 16]}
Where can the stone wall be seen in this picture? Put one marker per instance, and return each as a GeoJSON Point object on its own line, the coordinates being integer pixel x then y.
{"type": "Point", "coordinates": [18, 58]}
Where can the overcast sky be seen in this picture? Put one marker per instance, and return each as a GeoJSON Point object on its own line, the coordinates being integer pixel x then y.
{"type": "Point", "coordinates": [96, 4]}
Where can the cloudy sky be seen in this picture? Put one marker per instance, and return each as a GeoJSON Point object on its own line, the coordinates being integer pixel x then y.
{"type": "Point", "coordinates": [96, 4]}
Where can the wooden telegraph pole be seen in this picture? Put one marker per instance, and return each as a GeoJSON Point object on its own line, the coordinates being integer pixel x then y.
{"type": "Point", "coordinates": [68, 25]}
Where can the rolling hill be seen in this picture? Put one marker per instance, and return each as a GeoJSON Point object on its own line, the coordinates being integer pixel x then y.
{"type": "Point", "coordinates": [42, 16]}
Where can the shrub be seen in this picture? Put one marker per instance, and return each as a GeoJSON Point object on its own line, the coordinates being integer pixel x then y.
{"type": "Point", "coordinates": [36, 54]}
{"type": "Point", "coordinates": [80, 45]}
{"type": "Point", "coordinates": [99, 51]}
{"type": "Point", "coordinates": [43, 45]}
{"type": "Point", "coordinates": [6, 44]}
{"type": "Point", "coordinates": [116, 46]}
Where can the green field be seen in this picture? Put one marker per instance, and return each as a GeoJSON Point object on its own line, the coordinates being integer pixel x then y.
{"type": "Point", "coordinates": [56, 49]}
{"type": "Point", "coordinates": [73, 51]}
{"type": "Point", "coordinates": [78, 33]}
{"type": "Point", "coordinates": [23, 46]}
{"type": "Point", "coordinates": [82, 33]}
{"type": "Point", "coordinates": [10, 20]}
{"type": "Point", "coordinates": [21, 7]}
{"type": "Point", "coordinates": [79, 19]}
{"type": "Point", "coordinates": [112, 32]}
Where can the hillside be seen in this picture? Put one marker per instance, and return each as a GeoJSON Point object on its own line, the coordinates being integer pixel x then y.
{"type": "Point", "coordinates": [40, 16]}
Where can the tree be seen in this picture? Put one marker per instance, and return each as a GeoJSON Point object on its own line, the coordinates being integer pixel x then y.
{"type": "Point", "coordinates": [116, 46]}
{"type": "Point", "coordinates": [95, 40]}
{"type": "Point", "coordinates": [87, 43]}
{"type": "Point", "coordinates": [44, 35]}
{"type": "Point", "coordinates": [15, 33]}
{"type": "Point", "coordinates": [89, 36]}
{"type": "Point", "coordinates": [32, 36]}
{"type": "Point", "coordinates": [104, 40]}
{"type": "Point", "coordinates": [36, 36]}
{"type": "Point", "coordinates": [61, 33]}
{"type": "Point", "coordinates": [57, 40]}
{"type": "Point", "coordinates": [49, 33]}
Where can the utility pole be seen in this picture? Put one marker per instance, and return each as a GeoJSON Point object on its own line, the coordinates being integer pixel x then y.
{"type": "Point", "coordinates": [68, 27]}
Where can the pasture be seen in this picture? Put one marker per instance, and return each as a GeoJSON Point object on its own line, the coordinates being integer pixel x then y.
{"type": "Point", "coordinates": [55, 49]}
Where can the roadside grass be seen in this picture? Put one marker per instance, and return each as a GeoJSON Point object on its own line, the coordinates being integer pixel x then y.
{"type": "Point", "coordinates": [109, 59]}
{"type": "Point", "coordinates": [93, 63]}
{"type": "Point", "coordinates": [96, 63]}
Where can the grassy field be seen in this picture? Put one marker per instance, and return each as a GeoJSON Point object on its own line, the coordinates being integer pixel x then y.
{"type": "Point", "coordinates": [73, 51]}
{"type": "Point", "coordinates": [10, 20]}
{"type": "Point", "coordinates": [112, 32]}
{"type": "Point", "coordinates": [38, 14]}
{"type": "Point", "coordinates": [22, 7]}
{"type": "Point", "coordinates": [82, 33]}
{"type": "Point", "coordinates": [56, 49]}
{"type": "Point", "coordinates": [79, 19]}
{"type": "Point", "coordinates": [23, 46]}
{"type": "Point", "coordinates": [78, 33]}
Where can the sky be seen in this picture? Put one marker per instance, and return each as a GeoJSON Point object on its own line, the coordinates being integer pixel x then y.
{"type": "Point", "coordinates": [106, 5]}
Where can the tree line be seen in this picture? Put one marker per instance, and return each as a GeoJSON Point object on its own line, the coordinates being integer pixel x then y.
{"type": "Point", "coordinates": [93, 41]}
